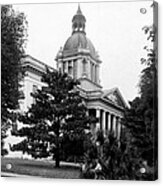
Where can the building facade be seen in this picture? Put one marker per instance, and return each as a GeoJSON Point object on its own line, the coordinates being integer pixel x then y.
{"type": "Point", "coordinates": [34, 69]}
{"type": "Point", "coordinates": [80, 60]}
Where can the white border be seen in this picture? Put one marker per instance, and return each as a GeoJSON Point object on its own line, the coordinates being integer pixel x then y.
{"type": "Point", "coordinates": [46, 182]}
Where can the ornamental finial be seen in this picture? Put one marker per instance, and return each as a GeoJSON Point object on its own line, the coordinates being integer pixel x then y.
{"type": "Point", "coordinates": [79, 10]}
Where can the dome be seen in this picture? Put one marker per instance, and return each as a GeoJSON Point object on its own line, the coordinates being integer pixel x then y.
{"type": "Point", "coordinates": [79, 40]}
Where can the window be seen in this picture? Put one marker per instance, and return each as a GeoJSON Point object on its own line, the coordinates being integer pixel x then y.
{"type": "Point", "coordinates": [70, 68]}
{"type": "Point", "coordinates": [91, 71]}
{"type": "Point", "coordinates": [35, 88]}
{"type": "Point", "coordinates": [84, 67]}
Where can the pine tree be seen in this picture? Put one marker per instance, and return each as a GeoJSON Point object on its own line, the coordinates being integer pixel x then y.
{"type": "Point", "coordinates": [13, 36]}
{"type": "Point", "coordinates": [58, 110]}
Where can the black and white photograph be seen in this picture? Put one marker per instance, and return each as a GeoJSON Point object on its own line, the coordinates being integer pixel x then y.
{"type": "Point", "coordinates": [79, 90]}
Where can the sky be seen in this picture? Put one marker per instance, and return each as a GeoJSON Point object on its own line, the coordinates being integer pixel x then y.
{"type": "Point", "coordinates": [115, 29]}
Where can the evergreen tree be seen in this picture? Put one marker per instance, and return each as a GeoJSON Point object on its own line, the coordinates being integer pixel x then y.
{"type": "Point", "coordinates": [142, 116]}
{"type": "Point", "coordinates": [58, 110]}
{"type": "Point", "coordinates": [13, 36]}
{"type": "Point", "coordinates": [73, 146]}
{"type": "Point", "coordinates": [111, 159]}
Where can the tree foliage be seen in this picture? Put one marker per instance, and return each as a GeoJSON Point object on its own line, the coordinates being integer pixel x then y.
{"type": "Point", "coordinates": [13, 36]}
{"type": "Point", "coordinates": [112, 159]}
{"type": "Point", "coordinates": [142, 117]}
{"type": "Point", "coordinates": [58, 111]}
{"type": "Point", "coordinates": [72, 146]}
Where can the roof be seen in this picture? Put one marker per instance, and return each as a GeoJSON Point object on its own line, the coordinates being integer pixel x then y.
{"type": "Point", "coordinates": [115, 96]}
{"type": "Point", "coordinates": [110, 97]}
{"type": "Point", "coordinates": [29, 62]}
{"type": "Point", "coordinates": [79, 41]}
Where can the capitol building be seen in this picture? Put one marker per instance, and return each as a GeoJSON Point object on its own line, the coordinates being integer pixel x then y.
{"type": "Point", "coordinates": [80, 60]}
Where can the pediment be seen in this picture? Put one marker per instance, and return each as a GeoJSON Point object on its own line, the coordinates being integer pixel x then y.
{"type": "Point", "coordinates": [115, 97]}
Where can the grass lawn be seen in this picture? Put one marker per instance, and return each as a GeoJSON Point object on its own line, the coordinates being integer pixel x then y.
{"type": "Point", "coordinates": [39, 168]}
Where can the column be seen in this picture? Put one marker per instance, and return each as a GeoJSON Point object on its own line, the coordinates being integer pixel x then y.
{"type": "Point", "coordinates": [109, 121]}
{"type": "Point", "coordinates": [86, 68]}
{"type": "Point", "coordinates": [114, 125]}
{"type": "Point", "coordinates": [78, 70]}
{"type": "Point", "coordinates": [66, 67]}
{"type": "Point", "coordinates": [119, 128]}
{"type": "Point", "coordinates": [95, 78]}
{"type": "Point", "coordinates": [89, 69]}
{"type": "Point", "coordinates": [97, 74]}
{"type": "Point", "coordinates": [69, 67]}
{"type": "Point", "coordinates": [94, 73]}
{"type": "Point", "coordinates": [106, 124]}
{"type": "Point", "coordinates": [98, 116]}
{"type": "Point", "coordinates": [103, 120]}
{"type": "Point", "coordinates": [72, 68]}
{"type": "Point", "coordinates": [60, 66]}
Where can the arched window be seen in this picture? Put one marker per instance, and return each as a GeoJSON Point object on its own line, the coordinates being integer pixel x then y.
{"type": "Point", "coordinates": [84, 63]}
{"type": "Point", "coordinates": [84, 66]}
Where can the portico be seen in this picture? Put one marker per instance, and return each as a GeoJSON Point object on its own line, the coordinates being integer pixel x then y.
{"type": "Point", "coordinates": [108, 120]}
